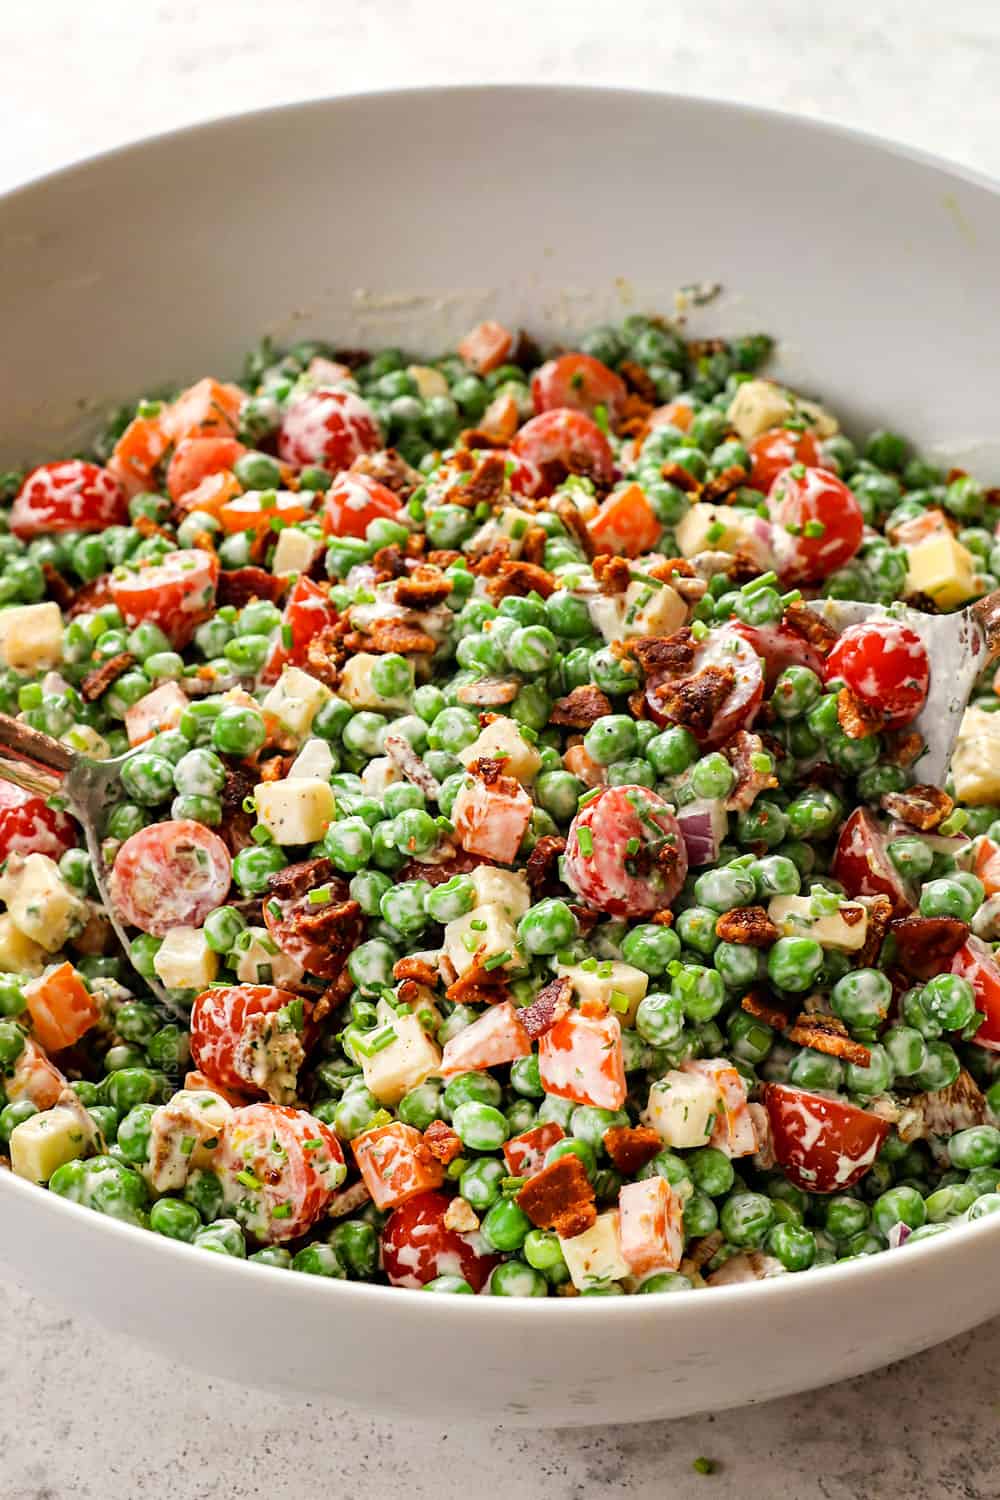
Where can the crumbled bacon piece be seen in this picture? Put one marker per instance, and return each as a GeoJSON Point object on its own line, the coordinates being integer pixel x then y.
{"type": "Point", "coordinates": [533, 545]}
{"type": "Point", "coordinates": [763, 1158]}
{"type": "Point", "coordinates": [442, 557]}
{"type": "Point", "coordinates": [442, 1142]}
{"type": "Point", "coordinates": [631, 1146]}
{"type": "Point", "coordinates": [879, 909]}
{"type": "Point", "coordinates": [759, 1005]}
{"type": "Point", "coordinates": [390, 562]}
{"type": "Point", "coordinates": [100, 679]}
{"type": "Point", "coordinates": [858, 720]}
{"type": "Point", "coordinates": [828, 1034]}
{"type": "Point", "coordinates": [612, 574]}
{"type": "Point", "coordinates": [543, 861]}
{"type": "Point", "coordinates": [485, 485]}
{"type": "Point", "coordinates": [581, 708]}
{"type": "Point", "coordinates": [807, 624]}
{"type": "Point", "coordinates": [701, 1251]}
{"type": "Point", "coordinates": [275, 768]}
{"type": "Point", "coordinates": [237, 586]}
{"type": "Point", "coordinates": [478, 985]}
{"type": "Point", "coordinates": [91, 596]}
{"type": "Point", "coordinates": [412, 967]}
{"type": "Point", "coordinates": [326, 653]}
{"type": "Point", "coordinates": [390, 469]}
{"type": "Point", "coordinates": [350, 1198]}
{"type": "Point", "coordinates": [740, 751]}
{"type": "Point", "coordinates": [425, 587]}
{"type": "Point", "coordinates": [489, 769]}
{"type": "Point", "coordinates": [677, 475]}
{"type": "Point", "coordinates": [945, 1111]}
{"type": "Point", "coordinates": [695, 701]}
{"type": "Point", "coordinates": [391, 636]}
{"type": "Point", "coordinates": [639, 380]}
{"type": "Point", "coordinates": [515, 577]}
{"type": "Point", "coordinates": [723, 485]}
{"type": "Point", "coordinates": [902, 747]}
{"type": "Point", "coordinates": [664, 653]}
{"type": "Point", "coordinates": [926, 945]}
{"type": "Point", "coordinates": [56, 586]}
{"type": "Point", "coordinates": [548, 1007]}
{"type": "Point", "coordinates": [333, 928]}
{"type": "Point", "coordinates": [749, 925]}
{"type": "Point", "coordinates": [406, 760]}
{"type": "Point", "coordinates": [922, 806]}
{"type": "Point", "coordinates": [560, 1197]}
{"type": "Point", "coordinates": [295, 880]}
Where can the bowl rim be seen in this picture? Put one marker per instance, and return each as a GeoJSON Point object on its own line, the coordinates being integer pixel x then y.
{"type": "Point", "coordinates": [862, 1270]}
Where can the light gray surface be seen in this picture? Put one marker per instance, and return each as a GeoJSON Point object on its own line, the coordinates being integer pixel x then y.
{"type": "Point", "coordinates": [85, 1415]}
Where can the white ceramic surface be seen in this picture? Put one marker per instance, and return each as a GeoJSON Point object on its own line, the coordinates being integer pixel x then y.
{"type": "Point", "coordinates": [876, 269]}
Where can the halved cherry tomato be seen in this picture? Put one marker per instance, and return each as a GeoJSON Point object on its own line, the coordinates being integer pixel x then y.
{"type": "Point", "coordinates": [256, 510]}
{"type": "Point", "coordinates": [625, 853]}
{"type": "Point", "coordinates": [976, 962]}
{"type": "Point", "coordinates": [578, 382]}
{"type": "Point", "coordinates": [177, 593]}
{"type": "Point", "coordinates": [68, 496]}
{"type": "Point", "coordinates": [987, 865]}
{"type": "Point", "coordinates": [29, 826]}
{"type": "Point", "coordinates": [777, 450]}
{"type": "Point", "coordinates": [209, 408]}
{"type": "Point", "coordinates": [218, 1017]}
{"type": "Point", "coordinates": [626, 524]}
{"type": "Point", "coordinates": [728, 650]}
{"type": "Point", "coordinates": [331, 427]}
{"type": "Point", "coordinates": [824, 1144]}
{"type": "Point", "coordinates": [818, 524]}
{"type": "Point", "coordinates": [170, 874]}
{"type": "Point", "coordinates": [61, 1007]}
{"type": "Point", "coordinates": [581, 1058]}
{"type": "Point", "coordinates": [486, 346]}
{"type": "Point", "coordinates": [279, 1168]}
{"type": "Point", "coordinates": [862, 865]}
{"type": "Point", "coordinates": [307, 612]}
{"type": "Point", "coordinates": [780, 648]}
{"type": "Point", "coordinates": [492, 820]}
{"type": "Point", "coordinates": [886, 666]}
{"type": "Point", "coordinates": [137, 453]}
{"type": "Point", "coordinates": [563, 442]}
{"type": "Point", "coordinates": [353, 501]}
{"type": "Point", "coordinates": [196, 458]}
{"type": "Point", "coordinates": [417, 1247]}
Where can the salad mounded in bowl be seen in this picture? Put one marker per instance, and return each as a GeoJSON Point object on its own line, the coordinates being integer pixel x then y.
{"type": "Point", "coordinates": [554, 896]}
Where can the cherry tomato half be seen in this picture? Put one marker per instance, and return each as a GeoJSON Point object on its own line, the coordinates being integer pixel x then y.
{"type": "Point", "coordinates": [29, 826]}
{"type": "Point", "coordinates": [563, 442]}
{"type": "Point", "coordinates": [177, 593]}
{"type": "Point", "coordinates": [578, 382]}
{"type": "Point", "coordinates": [218, 1017]}
{"type": "Point", "coordinates": [625, 853]}
{"type": "Point", "coordinates": [862, 865]}
{"type": "Point", "coordinates": [198, 458]}
{"type": "Point", "coordinates": [307, 613]}
{"type": "Point", "coordinates": [777, 450]}
{"type": "Point", "coordinates": [823, 1144]}
{"type": "Point", "coordinates": [354, 501]}
{"type": "Point", "coordinates": [885, 665]}
{"type": "Point", "coordinates": [725, 649]}
{"type": "Point", "coordinates": [279, 1168]}
{"type": "Point", "coordinates": [68, 496]}
{"type": "Point", "coordinates": [818, 524]}
{"type": "Point", "coordinates": [416, 1246]}
{"type": "Point", "coordinates": [170, 874]}
{"type": "Point", "coordinates": [328, 426]}
{"type": "Point", "coordinates": [975, 962]}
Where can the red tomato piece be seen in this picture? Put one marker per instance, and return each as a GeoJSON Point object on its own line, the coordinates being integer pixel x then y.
{"type": "Point", "coordinates": [825, 519]}
{"type": "Point", "coordinates": [328, 426]}
{"type": "Point", "coordinates": [525, 1153]}
{"type": "Point", "coordinates": [577, 382]}
{"type": "Point", "coordinates": [279, 1168]}
{"type": "Point", "coordinates": [563, 442]}
{"type": "Point", "coordinates": [917, 528]}
{"type": "Point", "coordinates": [395, 1164]}
{"type": "Point", "coordinates": [160, 709]}
{"type": "Point", "coordinates": [823, 1144]}
{"type": "Point", "coordinates": [214, 491]}
{"type": "Point", "coordinates": [307, 613]}
{"type": "Point", "coordinates": [29, 826]}
{"type": "Point", "coordinates": [626, 524]}
{"type": "Point", "coordinates": [354, 501]}
{"type": "Point", "coordinates": [300, 928]}
{"type": "Point", "coordinates": [256, 511]}
{"type": "Point", "coordinates": [486, 346]}
{"type": "Point", "coordinates": [417, 1246]}
{"type": "Point", "coordinates": [975, 961]}
{"type": "Point", "coordinates": [218, 1019]}
{"type": "Point", "coordinates": [170, 874]}
{"type": "Point", "coordinates": [68, 496]}
{"type": "Point", "coordinates": [625, 853]}
{"type": "Point", "coordinates": [777, 450]}
{"type": "Point", "coordinates": [198, 458]}
{"type": "Point", "coordinates": [34, 1077]}
{"type": "Point", "coordinates": [491, 820]}
{"type": "Point", "coordinates": [177, 593]}
{"type": "Point", "coordinates": [727, 649]}
{"type": "Point", "coordinates": [885, 665]}
{"type": "Point", "coordinates": [987, 865]}
{"type": "Point", "coordinates": [580, 1058]}
{"type": "Point", "coordinates": [138, 452]}
{"type": "Point", "coordinates": [779, 648]}
{"type": "Point", "coordinates": [61, 1008]}
{"type": "Point", "coordinates": [209, 408]}
{"type": "Point", "coordinates": [863, 867]}
{"type": "Point", "coordinates": [650, 1226]}
{"type": "Point", "coordinates": [494, 1038]}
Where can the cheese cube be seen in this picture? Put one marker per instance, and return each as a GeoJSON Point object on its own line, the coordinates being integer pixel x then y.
{"type": "Point", "coordinates": [722, 528]}
{"type": "Point", "coordinates": [595, 1257]}
{"type": "Point", "coordinates": [18, 954]}
{"type": "Point", "coordinates": [356, 686]}
{"type": "Point", "coordinates": [616, 985]}
{"type": "Point", "coordinates": [502, 740]}
{"type": "Point", "coordinates": [607, 612]}
{"type": "Point", "coordinates": [314, 760]}
{"type": "Point", "coordinates": [507, 889]}
{"type": "Point", "coordinates": [652, 611]}
{"type": "Point", "coordinates": [760, 405]}
{"type": "Point", "coordinates": [47, 1141]}
{"type": "Point", "coordinates": [31, 636]}
{"type": "Point", "coordinates": [295, 553]}
{"type": "Point", "coordinates": [406, 1062]}
{"type": "Point", "coordinates": [429, 382]}
{"type": "Point", "coordinates": [298, 811]}
{"type": "Point", "coordinates": [682, 1109]}
{"type": "Point", "coordinates": [295, 700]}
{"type": "Point", "coordinates": [184, 961]}
{"type": "Point", "coordinates": [843, 930]}
{"type": "Point", "coordinates": [85, 739]}
{"type": "Point", "coordinates": [487, 929]}
{"type": "Point", "coordinates": [975, 764]}
{"type": "Point", "coordinates": [378, 774]}
{"type": "Point", "coordinates": [183, 1134]}
{"type": "Point", "coordinates": [941, 568]}
{"type": "Point", "coordinates": [261, 961]}
{"type": "Point", "coordinates": [40, 902]}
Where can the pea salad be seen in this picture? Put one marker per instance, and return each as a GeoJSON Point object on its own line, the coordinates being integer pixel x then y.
{"type": "Point", "coordinates": [553, 896]}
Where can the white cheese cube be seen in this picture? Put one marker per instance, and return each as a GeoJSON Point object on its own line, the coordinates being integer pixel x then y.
{"type": "Point", "coordinates": [941, 568]}
{"type": "Point", "coordinates": [85, 739]}
{"type": "Point", "coordinates": [486, 928]}
{"type": "Point", "coordinates": [652, 611]}
{"type": "Point", "coordinates": [507, 889]}
{"type": "Point", "coordinates": [502, 740]}
{"type": "Point", "coordinates": [295, 553]}
{"type": "Point", "coordinates": [406, 1062]}
{"type": "Point", "coordinates": [295, 700]}
{"type": "Point", "coordinates": [356, 686]}
{"type": "Point", "coordinates": [184, 961]}
{"type": "Point", "coordinates": [682, 1108]}
{"type": "Point", "coordinates": [429, 382]}
{"type": "Point", "coordinates": [595, 1257]}
{"type": "Point", "coordinates": [617, 985]}
{"type": "Point", "coordinates": [31, 636]}
{"type": "Point", "coordinates": [607, 611]}
{"type": "Point", "coordinates": [843, 930]}
{"type": "Point", "coordinates": [975, 764]}
{"type": "Point", "coordinates": [18, 954]}
{"type": "Point", "coordinates": [261, 961]}
{"type": "Point", "coordinates": [47, 1141]}
{"type": "Point", "coordinates": [314, 760]}
{"type": "Point", "coordinates": [297, 811]}
{"type": "Point", "coordinates": [760, 405]}
{"type": "Point", "coordinates": [183, 1134]}
{"type": "Point", "coordinates": [722, 528]}
{"type": "Point", "coordinates": [40, 902]}
{"type": "Point", "coordinates": [378, 774]}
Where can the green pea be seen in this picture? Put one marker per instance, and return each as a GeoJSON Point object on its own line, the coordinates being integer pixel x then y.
{"type": "Point", "coordinates": [547, 927]}
{"type": "Point", "coordinates": [238, 731]}
{"type": "Point", "coordinates": [505, 1226]}
{"type": "Point", "coordinates": [12, 1000]}
{"type": "Point", "coordinates": [175, 1219]}
{"type": "Point", "coordinates": [524, 1077]}
{"type": "Point", "coordinates": [169, 1048]}
{"type": "Point", "coordinates": [355, 1244]}
{"type": "Point", "coordinates": [941, 1068]}
{"type": "Point", "coordinates": [906, 1050]}
{"type": "Point", "coordinates": [404, 906]}
{"type": "Point", "coordinates": [814, 813]}
{"type": "Point", "coordinates": [199, 773]}
{"type": "Point", "coordinates": [815, 1070]}
{"type": "Point", "coordinates": [745, 1218]}
{"type": "Point", "coordinates": [950, 1001]}
{"type": "Point", "coordinates": [659, 1019]}
{"type": "Point", "coordinates": [764, 823]}
{"type": "Point", "coordinates": [725, 887]}
{"type": "Point", "coordinates": [252, 867]}
{"type": "Point", "coordinates": [873, 1079]}
{"type": "Point", "coordinates": [148, 779]}
{"type": "Point", "coordinates": [204, 1191]}
{"type": "Point", "coordinates": [701, 991]}
{"type": "Point", "coordinates": [137, 1022]}
{"type": "Point", "coordinates": [978, 1146]}
{"type": "Point", "coordinates": [793, 1245]}
{"type": "Point", "coordinates": [794, 962]}
{"type": "Point", "coordinates": [696, 929]}
{"type": "Point", "coordinates": [222, 927]}
{"type": "Point", "coordinates": [738, 964]}
{"type": "Point", "coordinates": [899, 1205]}
{"type": "Point", "coordinates": [862, 998]}
{"type": "Point", "coordinates": [222, 1237]}
{"type": "Point", "coordinates": [348, 844]}
{"type": "Point", "coordinates": [15, 1114]}
{"type": "Point", "coordinates": [651, 948]}
{"type": "Point", "coordinates": [947, 898]}
{"type": "Point", "coordinates": [479, 1088]}
{"type": "Point", "coordinates": [749, 1038]}
{"type": "Point", "coordinates": [448, 1283]}
{"type": "Point", "coordinates": [673, 751]}
{"type": "Point", "coordinates": [611, 738]}
{"type": "Point", "coordinates": [480, 1182]}
{"type": "Point", "coordinates": [665, 1281]}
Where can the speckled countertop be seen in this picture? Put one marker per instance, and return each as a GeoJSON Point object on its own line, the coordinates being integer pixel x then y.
{"type": "Point", "coordinates": [92, 1417]}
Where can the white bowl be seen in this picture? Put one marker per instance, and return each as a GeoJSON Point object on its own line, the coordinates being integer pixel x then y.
{"type": "Point", "coordinates": [405, 218]}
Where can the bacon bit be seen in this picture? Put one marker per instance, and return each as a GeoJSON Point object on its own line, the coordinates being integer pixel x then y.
{"type": "Point", "coordinates": [389, 563]}
{"type": "Point", "coordinates": [922, 806]}
{"type": "Point", "coordinates": [749, 925]}
{"type": "Point", "coordinates": [442, 557]}
{"type": "Point", "coordinates": [695, 701]}
{"type": "Point", "coordinates": [486, 483]}
{"type": "Point", "coordinates": [489, 770]}
{"type": "Point", "coordinates": [442, 1142]}
{"type": "Point", "coordinates": [723, 485]}
{"type": "Point", "coordinates": [945, 1111]}
{"type": "Point", "coordinates": [548, 1007]}
{"type": "Point", "coordinates": [499, 424]}
{"type": "Point", "coordinates": [922, 602]}
{"type": "Point", "coordinates": [91, 596]}
{"type": "Point", "coordinates": [456, 863]}
{"type": "Point", "coordinates": [677, 475]}
{"type": "Point", "coordinates": [701, 1251]}
{"type": "Point", "coordinates": [517, 578]}
{"type": "Point", "coordinates": [581, 708]}
{"type": "Point", "coordinates": [96, 936]}
{"type": "Point", "coordinates": [740, 752]}
{"type": "Point", "coordinates": [879, 909]}
{"type": "Point", "coordinates": [631, 1146]}
{"type": "Point", "coordinates": [476, 439]}
{"type": "Point", "coordinates": [479, 986]}
{"type": "Point", "coordinates": [638, 380]}
{"type": "Point", "coordinates": [560, 1197]}
{"type": "Point", "coordinates": [295, 880]}
{"type": "Point", "coordinates": [672, 570]}
{"type": "Point", "coordinates": [612, 574]}
{"type": "Point", "coordinates": [415, 968]}
{"type": "Point", "coordinates": [147, 527]}
{"type": "Point", "coordinates": [924, 945]}
{"type": "Point", "coordinates": [902, 747]}
{"type": "Point", "coordinates": [390, 469]}
{"type": "Point", "coordinates": [422, 589]}
{"type": "Point", "coordinates": [533, 546]}
{"type": "Point", "coordinates": [333, 997]}
{"type": "Point", "coordinates": [660, 654]}
{"type": "Point", "coordinates": [56, 586]}
{"type": "Point", "coordinates": [355, 1196]}
{"type": "Point", "coordinates": [757, 1004]}
{"type": "Point", "coordinates": [275, 768]}
{"type": "Point", "coordinates": [237, 586]}
{"type": "Point", "coordinates": [543, 861]}
{"type": "Point", "coordinates": [335, 928]}
{"type": "Point", "coordinates": [390, 636]}
{"type": "Point", "coordinates": [807, 624]}
{"type": "Point", "coordinates": [664, 918]}
{"type": "Point", "coordinates": [858, 720]}
{"type": "Point", "coordinates": [586, 916]}
{"type": "Point", "coordinates": [577, 526]}
{"type": "Point", "coordinates": [100, 679]}
{"type": "Point", "coordinates": [828, 1034]}
{"type": "Point", "coordinates": [763, 1157]}
{"type": "Point", "coordinates": [326, 653]}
